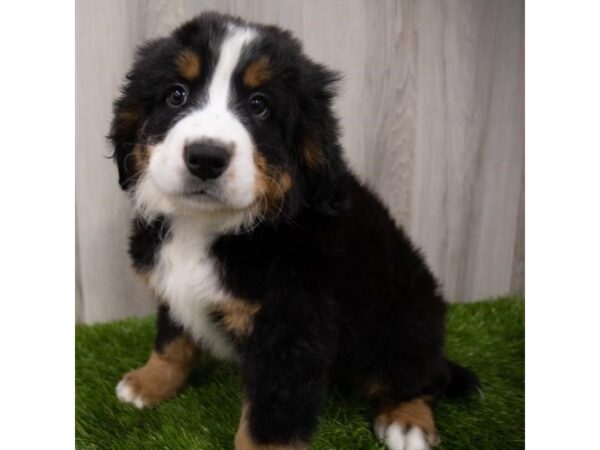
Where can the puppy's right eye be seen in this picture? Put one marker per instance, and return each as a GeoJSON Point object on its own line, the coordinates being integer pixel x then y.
{"type": "Point", "coordinates": [177, 96]}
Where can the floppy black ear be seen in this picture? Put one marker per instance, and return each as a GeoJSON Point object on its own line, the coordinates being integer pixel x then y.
{"type": "Point", "coordinates": [129, 110]}
{"type": "Point", "coordinates": [127, 118]}
{"type": "Point", "coordinates": [323, 166]}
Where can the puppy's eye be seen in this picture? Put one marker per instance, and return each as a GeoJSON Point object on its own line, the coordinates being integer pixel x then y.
{"type": "Point", "coordinates": [177, 96]}
{"type": "Point", "coordinates": [259, 106]}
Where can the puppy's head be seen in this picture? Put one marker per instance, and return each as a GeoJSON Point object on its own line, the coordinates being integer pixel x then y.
{"type": "Point", "coordinates": [227, 116]}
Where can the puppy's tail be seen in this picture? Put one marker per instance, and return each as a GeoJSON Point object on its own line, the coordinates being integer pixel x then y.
{"type": "Point", "coordinates": [462, 381]}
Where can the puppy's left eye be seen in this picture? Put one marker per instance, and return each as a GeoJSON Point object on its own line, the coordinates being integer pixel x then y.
{"type": "Point", "coordinates": [177, 96]}
{"type": "Point", "coordinates": [259, 106]}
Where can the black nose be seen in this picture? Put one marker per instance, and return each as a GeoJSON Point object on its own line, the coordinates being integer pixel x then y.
{"type": "Point", "coordinates": [206, 160]}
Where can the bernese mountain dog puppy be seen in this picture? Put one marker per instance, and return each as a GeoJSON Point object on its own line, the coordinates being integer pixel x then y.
{"type": "Point", "coordinates": [262, 246]}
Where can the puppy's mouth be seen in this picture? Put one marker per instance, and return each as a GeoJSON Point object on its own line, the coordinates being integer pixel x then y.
{"type": "Point", "coordinates": [211, 196]}
{"type": "Point", "coordinates": [202, 194]}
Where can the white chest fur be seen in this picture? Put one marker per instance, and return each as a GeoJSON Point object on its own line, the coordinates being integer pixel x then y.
{"type": "Point", "coordinates": [186, 278]}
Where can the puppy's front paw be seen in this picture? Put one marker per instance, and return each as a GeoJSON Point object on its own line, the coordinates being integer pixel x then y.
{"type": "Point", "coordinates": [148, 386]}
{"type": "Point", "coordinates": [402, 437]}
{"type": "Point", "coordinates": [128, 391]}
{"type": "Point", "coordinates": [162, 377]}
{"type": "Point", "coordinates": [151, 384]}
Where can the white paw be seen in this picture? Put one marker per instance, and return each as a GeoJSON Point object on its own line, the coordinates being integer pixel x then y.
{"type": "Point", "coordinates": [398, 437]}
{"type": "Point", "coordinates": [126, 394]}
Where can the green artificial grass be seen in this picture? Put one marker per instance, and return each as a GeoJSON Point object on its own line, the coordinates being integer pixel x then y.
{"type": "Point", "coordinates": [487, 337]}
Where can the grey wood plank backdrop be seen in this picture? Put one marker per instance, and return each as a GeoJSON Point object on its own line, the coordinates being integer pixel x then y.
{"type": "Point", "coordinates": [432, 110]}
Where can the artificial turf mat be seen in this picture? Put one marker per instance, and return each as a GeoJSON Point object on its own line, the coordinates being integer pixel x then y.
{"type": "Point", "coordinates": [487, 337]}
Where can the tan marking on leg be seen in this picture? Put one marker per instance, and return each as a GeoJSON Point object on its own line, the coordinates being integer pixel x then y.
{"type": "Point", "coordinates": [257, 73]}
{"type": "Point", "coordinates": [165, 373]}
{"type": "Point", "coordinates": [414, 413]}
{"type": "Point", "coordinates": [244, 441]}
{"type": "Point", "coordinates": [237, 317]}
{"type": "Point", "coordinates": [313, 154]}
{"type": "Point", "coordinates": [271, 186]}
{"type": "Point", "coordinates": [188, 65]}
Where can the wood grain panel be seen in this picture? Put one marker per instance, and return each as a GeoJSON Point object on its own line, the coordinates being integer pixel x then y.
{"type": "Point", "coordinates": [107, 33]}
{"type": "Point", "coordinates": [470, 143]}
{"type": "Point", "coordinates": [390, 94]}
{"type": "Point", "coordinates": [431, 108]}
{"type": "Point", "coordinates": [518, 269]}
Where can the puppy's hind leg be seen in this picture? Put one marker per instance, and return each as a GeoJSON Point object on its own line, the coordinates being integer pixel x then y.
{"type": "Point", "coordinates": [407, 425]}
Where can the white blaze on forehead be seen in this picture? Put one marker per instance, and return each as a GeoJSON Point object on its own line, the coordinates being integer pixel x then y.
{"type": "Point", "coordinates": [231, 49]}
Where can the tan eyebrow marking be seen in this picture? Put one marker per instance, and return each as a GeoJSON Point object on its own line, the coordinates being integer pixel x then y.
{"type": "Point", "coordinates": [257, 72]}
{"type": "Point", "coordinates": [188, 64]}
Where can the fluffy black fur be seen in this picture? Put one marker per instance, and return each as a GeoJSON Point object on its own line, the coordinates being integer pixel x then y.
{"type": "Point", "coordinates": [344, 295]}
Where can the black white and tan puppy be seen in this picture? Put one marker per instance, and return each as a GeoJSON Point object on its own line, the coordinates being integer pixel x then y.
{"type": "Point", "coordinates": [263, 247]}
